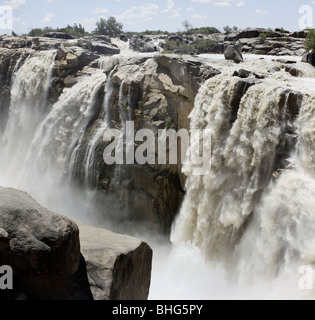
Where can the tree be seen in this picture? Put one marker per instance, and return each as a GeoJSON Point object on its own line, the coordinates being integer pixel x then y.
{"type": "Point", "coordinates": [37, 32]}
{"type": "Point", "coordinates": [228, 29]}
{"type": "Point", "coordinates": [206, 30]}
{"type": "Point", "coordinates": [77, 30]}
{"type": "Point", "coordinates": [109, 27]}
{"type": "Point", "coordinates": [187, 26]}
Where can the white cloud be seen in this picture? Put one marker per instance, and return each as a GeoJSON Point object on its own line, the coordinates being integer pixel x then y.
{"type": "Point", "coordinates": [190, 9]}
{"type": "Point", "coordinates": [260, 11]}
{"type": "Point", "coordinates": [48, 18]}
{"type": "Point", "coordinates": [199, 17]}
{"type": "Point", "coordinates": [142, 12]}
{"type": "Point", "coordinates": [101, 11]}
{"type": "Point", "coordinates": [240, 4]}
{"type": "Point", "coordinates": [174, 12]}
{"type": "Point", "coordinates": [222, 4]}
{"type": "Point", "coordinates": [15, 4]}
{"type": "Point", "coordinates": [225, 3]}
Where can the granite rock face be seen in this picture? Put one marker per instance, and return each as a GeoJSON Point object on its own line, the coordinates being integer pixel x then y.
{"type": "Point", "coordinates": [42, 248]}
{"type": "Point", "coordinates": [233, 52]}
{"type": "Point", "coordinates": [158, 93]}
{"type": "Point", "coordinates": [53, 259]}
{"type": "Point", "coordinates": [118, 266]}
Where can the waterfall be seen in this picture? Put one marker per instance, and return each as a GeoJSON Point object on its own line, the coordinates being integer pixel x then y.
{"type": "Point", "coordinates": [63, 129]}
{"type": "Point", "coordinates": [41, 139]}
{"type": "Point", "coordinates": [242, 159]}
{"type": "Point", "coordinates": [236, 214]}
{"type": "Point", "coordinates": [90, 171]}
{"type": "Point", "coordinates": [285, 217]}
{"type": "Point", "coordinates": [29, 92]}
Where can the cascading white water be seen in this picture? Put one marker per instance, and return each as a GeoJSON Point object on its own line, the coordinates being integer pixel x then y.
{"type": "Point", "coordinates": [285, 218]}
{"type": "Point", "coordinates": [103, 125]}
{"type": "Point", "coordinates": [260, 231]}
{"type": "Point", "coordinates": [40, 141]}
{"type": "Point", "coordinates": [29, 92]}
{"type": "Point", "coordinates": [241, 157]}
{"type": "Point", "coordinates": [64, 127]}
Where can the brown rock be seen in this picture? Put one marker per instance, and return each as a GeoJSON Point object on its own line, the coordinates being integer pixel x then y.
{"type": "Point", "coordinates": [42, 248]}
{"type": "Point", "coordinates": [118, 266]}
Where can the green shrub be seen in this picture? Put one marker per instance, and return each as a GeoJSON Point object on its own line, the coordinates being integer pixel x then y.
{"type": "Point", "coordinates": [199, 46]}
{"type": "Point", "coordinates": [263, 37]}
{"type": "Point", "coordinates": [169, 124]}
{"type": "Point", "coordinates": [140, 105]}
{"type": "Point", "coordinates": [77, 30]}
{"type": "Point", "coordinates": [310, 41]}
{"type": "Point", "coordinates": [205, 30]}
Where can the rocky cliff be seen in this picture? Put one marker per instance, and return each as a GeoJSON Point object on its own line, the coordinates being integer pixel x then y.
{"type": "Point", "coordinates": [54, 259]}
{"type": "Point", "coordinates": [154, 93]}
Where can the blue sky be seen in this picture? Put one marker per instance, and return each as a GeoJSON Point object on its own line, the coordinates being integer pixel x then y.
{"type": "Point", "coordinates": [139, 15]}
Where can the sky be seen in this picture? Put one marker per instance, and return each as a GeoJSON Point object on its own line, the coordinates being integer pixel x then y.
{"type": "Point", "coordinates": [140, 15]}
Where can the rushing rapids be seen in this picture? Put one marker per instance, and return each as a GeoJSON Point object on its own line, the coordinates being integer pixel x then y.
{"type": "Point", "coordinates": [255, 227]}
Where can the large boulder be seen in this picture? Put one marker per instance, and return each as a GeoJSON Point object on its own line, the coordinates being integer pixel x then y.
{"type": "Point", "coordinates": [175, 38]}
{"type": "Point", "coordinates": [299, 34]}
{"type": "Point", "coordinates": [309, 57]}
{"type": "Point", "coordinates": [59, 35]}
{"type": "Point", "coordinates": [105, 48]}
{"type": "Point", "coordinates": [142, 44]}
{"type": "Point", "coordinates": [150, 47]}
{"type": "Point", "coordinates": [42, 248]}
{"type": "Point", "coordinates": [118, 266]}
{"type": "Point", "coordinates": [99, 38]}
{"type": "Point", "coordinates": [233, 52]}
{"type": "Point", "coordinates": [51, 262]}
{"type": "Point", "coordinates": [123, 37]}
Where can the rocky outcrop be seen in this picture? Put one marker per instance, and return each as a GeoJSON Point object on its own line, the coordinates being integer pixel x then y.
{"type": "Point", "coordinates": [123, 37]}
{"type": "Point", "coordinates": [104, 48]}
{"type": "Point", "coordinates": [118, 266]}
{"type": "Point", "coordinates": [142, 44]}
{"type": "Point", "coordinates": [309, 57]}
{"type": "Point", "coordinates": [59, 35]}
{"type": "Point", "coordinates": [233, 53]}
{"type": "Point", "coordinates": [251, 40]}
{"type": "Point", "coordinates": [44, 250]}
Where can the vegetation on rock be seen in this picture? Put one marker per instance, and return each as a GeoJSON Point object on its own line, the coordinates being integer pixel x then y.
{"type": "Point", "coordinates": [310, 41]}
